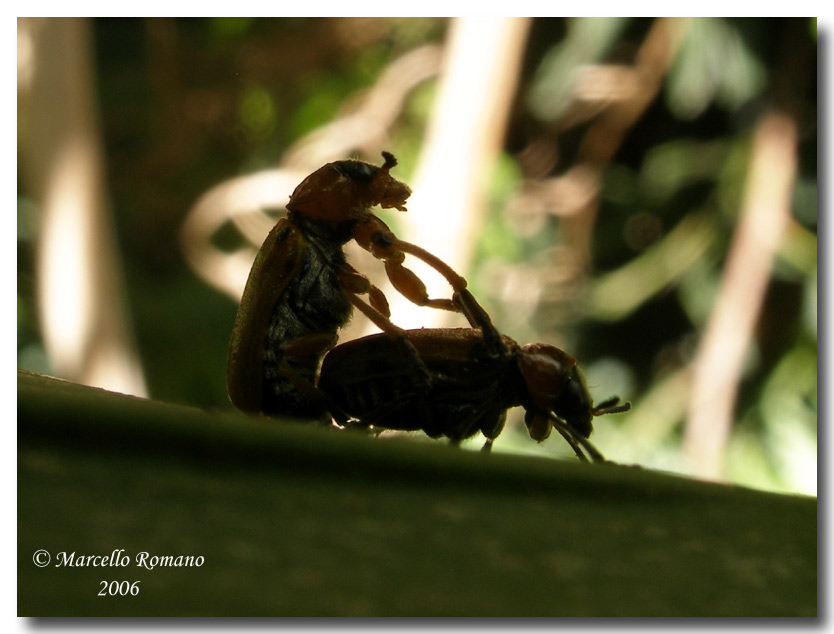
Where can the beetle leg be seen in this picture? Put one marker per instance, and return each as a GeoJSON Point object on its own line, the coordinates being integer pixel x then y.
{"type": "Point", "coordinates": [413, 288]}
{"type": "Point", "coordinates": [596, 456]}
{"type": "Point", "coordinates": [309, 391]}
{"type": "Point", "coordinates": [354, 282]}
{"type": "Point", "coordinates": [394, 332]}
{"type": "Point", "coordinates": [373, 235]}
{"type": "Point", "coordinates": [379, 319]}
{"type": "Point", "coordinates": [306, 345]}
{"type": "Point", "coordinates": [462, 300]}
{"type": "Point", "coordinates": [386, 245]}
{"type": "Point", "coordinates": [573, 444]}
{"type": "Point", "coordinates": [538, 425]}
{"type": "Point", "coordinates": [491, 425]}
{"type": "Point", "coordinates": [479, 318]}
{"type": "Point", "coordinates": [379, 301]}
{"type": "Point", "coordinates": [383, 322]}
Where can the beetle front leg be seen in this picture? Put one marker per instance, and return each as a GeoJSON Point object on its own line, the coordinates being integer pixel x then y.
{"type": "Point", "coordinates": [373, 235]}
{"type": "Point", "coordinates": [413, 288]}
{"type": "Point", "coordinates": [539, 425]}
{"type": "Point", "coordinates": [573, 444]}
{"type": "Point", "coordinates": [392, 250]}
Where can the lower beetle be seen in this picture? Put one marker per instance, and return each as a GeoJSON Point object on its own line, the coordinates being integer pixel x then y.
{"type": "Point", "coordinates": [368, 382]}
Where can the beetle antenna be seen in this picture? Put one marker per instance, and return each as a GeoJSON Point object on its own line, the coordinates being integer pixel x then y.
{"type": "Point", "coordinates": [610, 406]}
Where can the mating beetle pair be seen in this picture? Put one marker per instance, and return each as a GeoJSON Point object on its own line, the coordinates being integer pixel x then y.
{"type": "Point", "coordinates": [301, 289]}
{"type": "Point", "coordinates": [446, 382]}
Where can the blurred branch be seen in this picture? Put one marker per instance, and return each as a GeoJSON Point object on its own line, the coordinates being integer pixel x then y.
{"type": "Point", "coordinates": [763, 221]}
{"type": "Point", "coordinates": [367, 128]}
{"type": "Point", "coordinates": [614, 97]}
{"type": "Point", "coordinates": [635, 88]}
{"type": "Point", "coordinates": [463, 141]}
{"type": "Point", "coordinates": [615, 295]}
{"type": "Point", "coordinates": [84, 321]}
{"type": "Point", "coordinates": [242, 201]}
{"type": "Point", "coordinates": [657, 416]}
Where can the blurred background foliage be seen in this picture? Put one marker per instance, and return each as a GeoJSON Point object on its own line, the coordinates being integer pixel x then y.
{"type": "Point", "coordinates": [185, 104]}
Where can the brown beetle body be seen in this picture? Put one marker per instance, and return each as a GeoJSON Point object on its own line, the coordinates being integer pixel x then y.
{"type": "Point", "coordinates": [470, 390]}
{"type": "Point", "coordinates": [290, 312]}
{"type": "Point", "coordinates": [446, 382]}
{"type": "Point", "coordinates": [301, 290]}
{"type": "Point", "coordinates": [367, 379]}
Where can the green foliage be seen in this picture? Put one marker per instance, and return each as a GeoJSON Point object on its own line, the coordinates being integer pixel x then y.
{"type": "Point", "coordinates": [670, 204]}
{"type": "Point", "coordinates": [497, 238]}
{"type": "Point", "coordinates": [229, 28]}
{"type": "Point", "coordinates": [714, 64]}
{"type": "Point", "coordinates": [587, 42]}
{"type": "Point", "coordinates": [257, 112]}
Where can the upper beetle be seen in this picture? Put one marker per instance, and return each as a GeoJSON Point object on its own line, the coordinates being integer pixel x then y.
{"type": "Point", "coordinates": [301, 289]}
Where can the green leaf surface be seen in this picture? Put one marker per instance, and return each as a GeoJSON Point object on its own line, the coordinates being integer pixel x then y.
{"type": "Point", "coordinates": [294, 520]}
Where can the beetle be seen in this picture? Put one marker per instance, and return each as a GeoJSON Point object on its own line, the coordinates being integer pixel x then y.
{"type": "Point", "coordinates": [369, 383]}
{"type": "Point", "coordinates": [301, 289]}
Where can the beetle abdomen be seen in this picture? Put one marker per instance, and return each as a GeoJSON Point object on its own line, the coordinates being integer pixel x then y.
{"type": "Point", "coordinates": [312, 303]}
{"type": "Point", "coordinates": [374, 380]}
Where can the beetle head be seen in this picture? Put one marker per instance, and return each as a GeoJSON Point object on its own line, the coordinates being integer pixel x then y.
{"type": "Point", "coordinates": [346, 190]}
{"type": "Point", "coordinates": [555, 384]}
{"type": "Point", "coordinates": [388, 192]}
